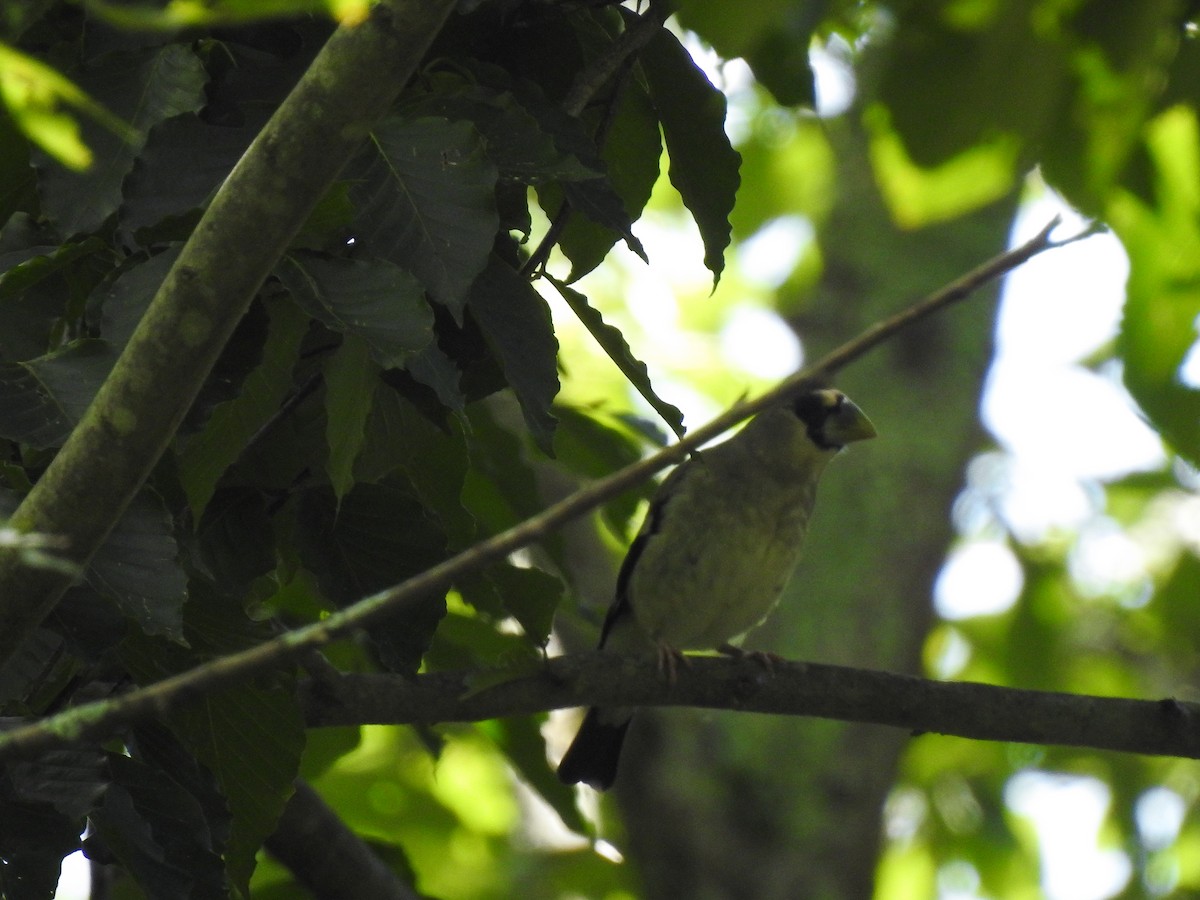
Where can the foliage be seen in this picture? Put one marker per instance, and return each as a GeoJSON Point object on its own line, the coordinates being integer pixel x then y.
{"type": "Point", "coordinates": [396, 391]}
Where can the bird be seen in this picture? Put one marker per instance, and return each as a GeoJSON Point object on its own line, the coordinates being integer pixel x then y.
{"type": "Point", "coordinates": [719, 542]}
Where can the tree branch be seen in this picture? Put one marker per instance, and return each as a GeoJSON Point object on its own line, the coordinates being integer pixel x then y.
{"type": "Point", "coordinates": [242, 234]}
{"type": "Point", "coordinates": [964, 709]}
{"type": "Point", "coordinates": [100, 718]}
{"type": "Point", "coordinates": [327, 857]}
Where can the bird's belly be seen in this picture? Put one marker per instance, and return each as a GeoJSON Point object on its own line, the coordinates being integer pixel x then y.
{"type": "Point", "coordinates": [707, 596]}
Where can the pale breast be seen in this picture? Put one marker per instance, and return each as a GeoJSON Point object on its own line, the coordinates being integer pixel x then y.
{"type": "Point", "coordinates": [711, 584]}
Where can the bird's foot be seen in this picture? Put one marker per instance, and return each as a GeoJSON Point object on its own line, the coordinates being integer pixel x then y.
{"type": "Point", "coordinates": [764, 658]}
{"type": "Point", "coordinates": [669, 661]}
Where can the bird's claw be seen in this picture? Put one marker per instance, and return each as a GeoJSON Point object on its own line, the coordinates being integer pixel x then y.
{"type": "Point", "coordinates": [764, 658]}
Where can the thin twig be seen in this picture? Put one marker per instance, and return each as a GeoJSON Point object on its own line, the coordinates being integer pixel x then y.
{"type": "Point", "coordinates": [103, 717]}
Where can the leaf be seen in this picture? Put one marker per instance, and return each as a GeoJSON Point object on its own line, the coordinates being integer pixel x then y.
{"type": "Point", "coordinates": [124, 302]}
{"type": "Point", "coordinates": [631, 157]}
{"type": "Point", "coordinates": [158, 831]}
{"type": "Point", "coordinates": [434, 369]}
{"type": "Point", "coordinates": [35, 837]}
{"type": "Point", "coordinates": [613, 343]}
{"type": "Point", "coordinates": [704, 165]}
{"type": "Point", "coordinates": [516, 321]}
{"type": "Point", "coordinates": [35, 95]}
{"type": "Point", "coordinates": [773, 36]}
{"type": "Point", "coordinates": [425, 191]}
{"type": "Point", "coordinates": [184, 161]}
{"type": "Point", "coordinates": [374, 299]}
{"type": "Point", "coordinates": [377, 536]}
{"type": "Point", "coordinates": [41, 400]}
{"type": "Point", "coordinates": [516, 140]}
{"type": "Point", "coordinates": [137, 568]}
{"type": "Point", "coordinates": [529, 595]}
{"type": "Point", "coordinates": [1162, 301]}
{"type": "Point", "coordinates": [142, 88]}
{"type": "Point", "coordinates": [595, 445]}
{"type": "Point", "coordinates": [34, 662]}
{"type": "Point", "coordinates": [249, 736]}
{"type": "Point", "coordinates": [236, 539]}
{"type": "Point", "coordinates": [433, 459]}
{"type": "Point", "coordinates": [204, 457]}
{"type": "Point", "coordinates": [17, 279]}
{"type": "Point", "coordinates": [350, 379]}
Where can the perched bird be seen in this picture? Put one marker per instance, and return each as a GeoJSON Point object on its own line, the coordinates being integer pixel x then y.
{"type": "Point", "coordinates": [719, 543]}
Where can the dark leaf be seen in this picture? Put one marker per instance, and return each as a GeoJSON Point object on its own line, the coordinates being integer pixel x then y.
{"type": "Point", "coordinates": [235, 538]}
{"type": "Point", "coordinates": [704, 166]}
{"type": "Point", "coordinates": [425, 191]}
{"type": "Point", "coordinates": [433, 459]}
{"type": "Point", "coordinates": [350, 379]}
{"type": "Point", "coordinates": [205, 456]}
{"type": "Point", "coordinates": [158, 832]}
{"type": "Point", "coordinates": [143, 89]}
{"type": "Point", "coordinates": [180, 168]}
{"type": "Point", "coordinates": [34, 838]}
{"type": "Point", "coordinates": [41, 400]}
{"type": "Point", "coordinates": [516, 322]}
{"type": "Point", "coordinates": [515, 138]}
{"type": "Point", "coordinates": [249, 736]}
{"type": "Point", "coordinates": [137, 568]}
{"type": "Point", "coordinates": [376, 537]}
{"type": "Point", "coordinates": [372, 299]}
{"type": "Point", "coordinates": [631, 156]}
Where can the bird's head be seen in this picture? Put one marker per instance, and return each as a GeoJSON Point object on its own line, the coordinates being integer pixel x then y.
{"type": "Point", "coordinates": [832, 419]}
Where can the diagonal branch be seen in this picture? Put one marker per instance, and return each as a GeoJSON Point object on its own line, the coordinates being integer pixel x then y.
{"type": "Point", "coordinates": [242, 234]}
{"type": "Point", "coordinates": [965, 709]}
{"type": "Point", "coordinates": [102, 717]}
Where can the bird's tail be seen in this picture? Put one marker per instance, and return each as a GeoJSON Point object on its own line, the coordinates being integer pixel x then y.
{"type": "Point", "coordinates": [593, 756]}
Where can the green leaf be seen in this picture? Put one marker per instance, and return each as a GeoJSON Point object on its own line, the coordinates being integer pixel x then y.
{"type": "Point", "coordinates": [184, 161]}
{"type": "Point", "coordinates": [373, 299]}
{"type": "Point", "coordinates": [630, 156]}
{"type": "Point", "coordinates": [516, 321]}
{"type": "Point", "coordinates": [613, 343]}
{"type": "Point", "coordinates": [433, 459]}
{"type": "Point", "coordinates": [773, 36]}
{"type": "Point", "coordinates": [1158, 329]}
{"type": "Point", "coordinates": [704, 165]}
{"type": "Point", "coordinates": [41, 400]}
{"type": "Point", "coordinates": [350, 379]}
{"type": "Point", "coordinates": [35, 95]}
{"type": "Point", "coordinates": [425, 191]}
{"type": "Point", "coordinates": [137, 568]}
{"type": "Point", "coordinates": [249, 736]}
{"type": "Point", "coordinates": [516, 140]}
{"type": "Point", "coordinates": [529, 595]}
{"type": "Point", "coordinates": [376, 537]}
{"type": "Point", "coordinates": [142, 88]}
{"type": "Point", "coordinates": [204, 457]}
{"type": "Point", "coordinates": [158, 831]}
